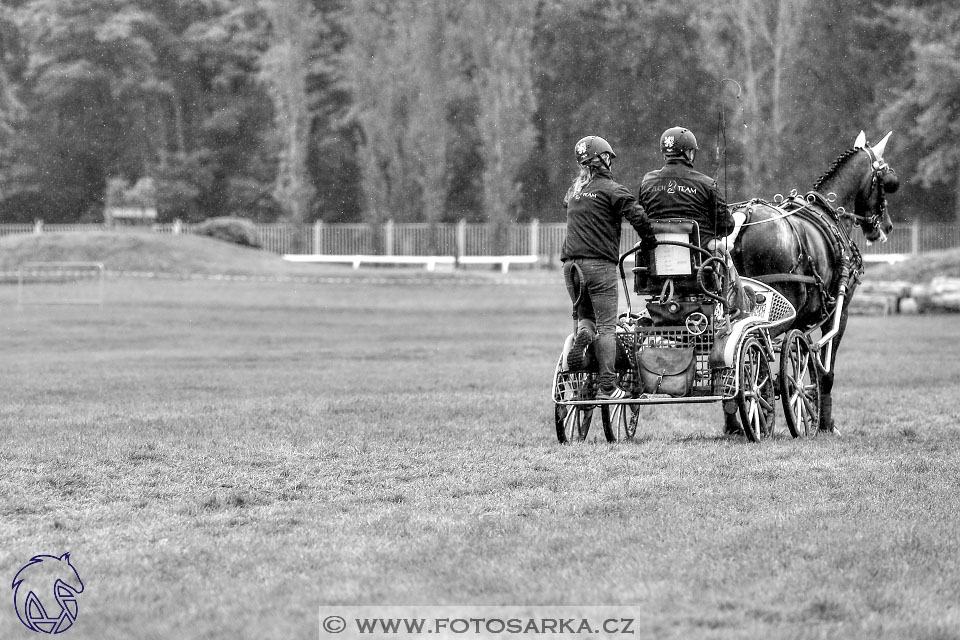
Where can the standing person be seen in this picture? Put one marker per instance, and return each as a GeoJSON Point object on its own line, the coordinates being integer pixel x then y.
{"type": "Point", "coordinates": [596, 206]}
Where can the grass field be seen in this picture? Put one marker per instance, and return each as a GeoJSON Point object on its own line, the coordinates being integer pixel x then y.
{"type": "Point", "coordinates": [223, 458]}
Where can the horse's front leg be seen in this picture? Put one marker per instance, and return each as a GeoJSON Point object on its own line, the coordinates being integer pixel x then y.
{"type": "Point", "coordinates": [827, 423]}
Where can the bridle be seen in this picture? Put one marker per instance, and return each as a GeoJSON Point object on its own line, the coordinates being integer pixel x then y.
{"type": "Point", "coordinates": [873, 221]}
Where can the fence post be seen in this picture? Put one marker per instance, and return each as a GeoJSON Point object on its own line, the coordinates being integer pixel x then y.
{"type": "Point", "coordinates": [317, 237]}
{"type": "Point", "coordinates": [38, 226]}
{"type": "Point", "coordinates": [388, 238]}
{"type": "Point", "coordinates": [915, 238]}
{"type": "Point", "coordinates": [534, 237]}
{"type": "Point", "coordinates": [461, 238]}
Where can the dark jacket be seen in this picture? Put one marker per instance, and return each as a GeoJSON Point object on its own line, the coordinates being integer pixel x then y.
{"type": "Point", "coordinates": [594, 217]}
{"type": "Point", "coordinates": [679, 191]}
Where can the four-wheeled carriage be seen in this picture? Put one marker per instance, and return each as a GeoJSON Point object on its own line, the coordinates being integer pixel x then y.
{"type": "Point", "coordinates": [690, 344]}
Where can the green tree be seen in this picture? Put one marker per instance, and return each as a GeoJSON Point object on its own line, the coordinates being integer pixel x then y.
{"type": "Point", "coordinates": [926, 107]}
{"type": "Point", "coordinates": [296, 35]}
{"type": "Point", "coordinates": [373, 62]}
{"type": "Point", "coordinates": [757, 43]}
{"type": "Point", "coordinates": [402, 71]}
{"type": "Point", "coordinates": [501, 50]}
{"type": "Point", "coordinates": [619, 69]}
{"type": "Point", "coordinates": [12, 61]}
{"type": "Point", "coordinates": [86, 58]}
{"type": "Point", "coordinates": [221, 144]}
{"type": "Point", "coordinates": [136, 87]}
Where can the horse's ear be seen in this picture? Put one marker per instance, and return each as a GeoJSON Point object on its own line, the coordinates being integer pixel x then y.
{"type": "Point", "coordinates": [882, 144]}
{"type": "Point", "coordinates": [65, 557]}
{"type": "Point", "coordinates": [861, 141]}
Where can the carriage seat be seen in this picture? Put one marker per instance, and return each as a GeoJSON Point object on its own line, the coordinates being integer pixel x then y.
{"type": "Point", "coordinates": [667, 262]}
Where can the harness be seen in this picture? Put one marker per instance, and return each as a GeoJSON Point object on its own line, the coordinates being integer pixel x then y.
{"type": "Point", "coordinates": [815, 209]}
{"type": "Point", "coordinates": [819, 212]}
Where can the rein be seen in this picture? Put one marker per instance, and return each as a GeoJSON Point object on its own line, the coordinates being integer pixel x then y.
{"type": "Point", "coordinates": [777, 200]}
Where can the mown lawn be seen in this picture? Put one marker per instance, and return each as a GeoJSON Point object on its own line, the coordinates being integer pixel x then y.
{"type": "Point", "coordinates": [223, 458]}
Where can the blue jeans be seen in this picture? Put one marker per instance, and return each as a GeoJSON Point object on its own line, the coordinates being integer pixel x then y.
{"type": "Point", "coordinates": [597, 310]}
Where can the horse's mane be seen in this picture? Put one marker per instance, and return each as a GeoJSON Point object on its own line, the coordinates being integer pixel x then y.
{"type": "Point", "coordinates": [839, 162]}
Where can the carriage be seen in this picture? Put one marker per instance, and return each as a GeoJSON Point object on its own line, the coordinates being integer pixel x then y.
{"type": "Point", "coordinates": [692, 344]}
{"type": "Point", "coordinates": [688, 345]}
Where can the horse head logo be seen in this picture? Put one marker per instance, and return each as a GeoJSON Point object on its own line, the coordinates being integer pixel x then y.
{"type": "Point", "coordinates": [45, 593]}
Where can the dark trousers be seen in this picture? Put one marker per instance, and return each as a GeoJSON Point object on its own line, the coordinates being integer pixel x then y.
{"type": "Point", "coordinates": [596, 309]}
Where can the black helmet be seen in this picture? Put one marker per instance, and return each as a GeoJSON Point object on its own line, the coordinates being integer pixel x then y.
{"type": "Point", "coordinates": [588, 149]}
{"type": "Point", "coordinates": [678, 142]}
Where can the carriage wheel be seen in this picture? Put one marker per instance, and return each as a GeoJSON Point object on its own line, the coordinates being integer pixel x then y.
{"type": "Point", "coordinates": [799, 386]}
{"type": "Point", "coordinates": [755, 397]}
{"type": "Point", "coordinates": [573, 422]}
{"type": "Point", "coordinates": [619, 421]}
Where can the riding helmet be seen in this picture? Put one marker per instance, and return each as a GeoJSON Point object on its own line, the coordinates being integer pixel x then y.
{"type": "Point", "coordinates": [588, 149]}
{"type": "Point", "coordinates": [677, 142]}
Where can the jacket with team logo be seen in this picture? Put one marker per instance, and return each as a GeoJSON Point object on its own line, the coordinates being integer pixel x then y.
{"type": "Point", "coordinates": [594, 218]}
{"type": "Point", "coordinates": [679, 191]}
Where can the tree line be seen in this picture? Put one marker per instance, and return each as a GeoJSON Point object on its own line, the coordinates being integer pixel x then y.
{"type": "Point", "coordinates": [442, 110]}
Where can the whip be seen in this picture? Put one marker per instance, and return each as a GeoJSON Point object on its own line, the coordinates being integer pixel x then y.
{"type": "Point", "coordinates": [721, 151]}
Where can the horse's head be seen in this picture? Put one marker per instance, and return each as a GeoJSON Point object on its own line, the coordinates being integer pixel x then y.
{"type": "Point", "coordinates": [858, 182]}
{"type": "Point", "coordinates": [870, 207]}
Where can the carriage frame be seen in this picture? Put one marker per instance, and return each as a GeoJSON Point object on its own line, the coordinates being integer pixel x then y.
{"type": "Point", "coordinates": [708, 351]}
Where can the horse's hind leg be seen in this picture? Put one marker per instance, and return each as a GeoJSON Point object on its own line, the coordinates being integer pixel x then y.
{"type": "Point", "coordinates": [731, 423]}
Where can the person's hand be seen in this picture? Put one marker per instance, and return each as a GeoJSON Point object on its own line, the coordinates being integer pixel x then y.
{"type": "Point", "coordinates": [721, 244]}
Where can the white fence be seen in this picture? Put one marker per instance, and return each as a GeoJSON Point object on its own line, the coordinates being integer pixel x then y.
{"type": "Point", "coordinates": [472, 239]}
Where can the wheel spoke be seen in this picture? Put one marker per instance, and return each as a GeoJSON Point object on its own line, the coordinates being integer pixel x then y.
{"type": "Point", "coordinates": [572, 421]}
{"type": "Point", "coordinates": [799, 385]}
{"type": "Point", "coordinates": [756, 393]}
{"type": "Point", "coordinates": [796, 404]}
{"type": "Point", "coordinates": [763, 402]}
{"type": "Point", "coordinates": [762, 422]}
{"type": "Point", "coordinates": [808, 405]}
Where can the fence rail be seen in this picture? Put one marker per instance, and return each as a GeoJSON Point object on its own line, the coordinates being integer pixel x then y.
{"type": "Point", "coordinates": [469, 239]}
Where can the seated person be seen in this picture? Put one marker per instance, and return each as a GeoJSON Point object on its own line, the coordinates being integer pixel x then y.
{"type": "Point", "coordinates": [679, 191]}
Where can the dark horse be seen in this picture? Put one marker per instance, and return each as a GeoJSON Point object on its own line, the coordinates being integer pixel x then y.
{"type": "Point", "coordinates": [801, 246]}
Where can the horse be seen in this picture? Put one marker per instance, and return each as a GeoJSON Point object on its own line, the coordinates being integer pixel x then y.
{"type": "Point", "coordinates": [802, 247]}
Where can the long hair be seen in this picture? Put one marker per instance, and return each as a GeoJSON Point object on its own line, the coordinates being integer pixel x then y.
{"type": "Point", "coordinates": [587, 172]}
